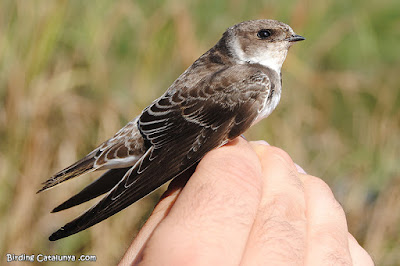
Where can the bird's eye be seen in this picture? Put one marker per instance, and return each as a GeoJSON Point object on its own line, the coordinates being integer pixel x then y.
{"type": "Point", "coordinates": [263, 34]}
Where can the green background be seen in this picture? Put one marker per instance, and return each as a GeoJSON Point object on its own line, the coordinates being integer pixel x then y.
{"type": "Point", "coordinates": [73, 72]}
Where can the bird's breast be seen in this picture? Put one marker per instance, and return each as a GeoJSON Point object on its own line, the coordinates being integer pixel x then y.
{"type": "Point", "coordinates": [269, 103]}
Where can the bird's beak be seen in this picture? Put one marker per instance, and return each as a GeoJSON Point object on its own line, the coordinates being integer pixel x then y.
{"type": "Point", "coordinates": [295, 38]}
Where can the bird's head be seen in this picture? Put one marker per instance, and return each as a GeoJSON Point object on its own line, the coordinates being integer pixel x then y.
{"type": "Point", "coordinates": [265, 42]}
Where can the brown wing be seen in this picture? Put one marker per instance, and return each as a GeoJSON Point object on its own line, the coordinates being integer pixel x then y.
{"type": "Point", "coordinates": [181, 127]}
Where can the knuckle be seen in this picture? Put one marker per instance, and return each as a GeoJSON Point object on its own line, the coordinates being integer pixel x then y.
{"type": "Point", "coordinates": [333, 243]}
{"type": "Point", "coordinates": [280, 154]}
{"type": "Point", "coordinates": [285, 207]}
{"type": "Point", "coordinates": [336, 258]}
{"type": "Point", "coordinates": [241, 169]}
{"type": "Point", "coordinates": [325, 191]}
{"type": "Point", "coordinates": [319, 184]}
{"type": "Point", "coordinates": [282, 238]}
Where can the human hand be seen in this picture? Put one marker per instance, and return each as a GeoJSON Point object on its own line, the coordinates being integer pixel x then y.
{"type": "Point", "coordinates": [247, 204]}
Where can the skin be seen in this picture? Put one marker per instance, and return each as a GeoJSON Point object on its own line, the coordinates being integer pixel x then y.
{"type": "Point", "coordinates": [247, 204]}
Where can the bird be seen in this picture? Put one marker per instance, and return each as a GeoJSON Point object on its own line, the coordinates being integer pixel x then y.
{"type": "Point", "coordinates": [225, 91]}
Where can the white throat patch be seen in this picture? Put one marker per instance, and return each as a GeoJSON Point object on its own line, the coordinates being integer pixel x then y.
{"type": "Point", "coordinates": [271, 57]}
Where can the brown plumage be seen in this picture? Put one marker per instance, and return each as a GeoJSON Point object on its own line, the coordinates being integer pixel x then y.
{"type": "Point", "coordinates": [229, 88]}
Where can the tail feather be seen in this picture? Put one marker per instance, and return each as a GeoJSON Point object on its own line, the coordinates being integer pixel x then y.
{"type": "Point", "coordinates": [80, 167]}
{"type": "Point", "coordinates": [98, 187]}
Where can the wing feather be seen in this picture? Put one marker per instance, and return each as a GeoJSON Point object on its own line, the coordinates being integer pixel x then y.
{"type": "Point", "coordinates": [180, 137]}
{"type": "Point", "coordinates": [98, 187]}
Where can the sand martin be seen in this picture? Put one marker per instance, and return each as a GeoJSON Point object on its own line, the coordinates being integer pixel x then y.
{"type": "Point", "coordinates": [229, 88]}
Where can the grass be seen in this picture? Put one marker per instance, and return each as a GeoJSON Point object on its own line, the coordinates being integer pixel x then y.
{"type": "Point", "coordinates": [73, 72]}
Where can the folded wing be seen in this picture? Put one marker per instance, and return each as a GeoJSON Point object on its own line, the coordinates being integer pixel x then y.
{"type": "Point", "coordinates": [181, 127]}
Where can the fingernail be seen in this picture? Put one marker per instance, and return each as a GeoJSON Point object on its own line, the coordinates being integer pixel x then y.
{"type": "Point", "coordinates": [299, 169]}
{"type": "Point", "coordinates": [261, 142]}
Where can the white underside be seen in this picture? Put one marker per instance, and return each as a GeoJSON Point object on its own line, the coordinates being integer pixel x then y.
{"type": "Point", "coordinates": [272, 58]}
{"type": "Point", "coordinates": [268, 108]}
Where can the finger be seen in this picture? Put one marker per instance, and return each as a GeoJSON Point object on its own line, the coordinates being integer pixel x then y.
{"type": "Point", "coordinates": [211, 219]}
{"type": "Point", "coordinates": [358, 255]}
{"type": "Point", "coordinates": [279, 231]}
{"type": "Point", "coordinates": [133, 255]}
{"type": "Point", "coordinates": [263, 142]}
{"type": "Point", "coordinates": [327, 228]}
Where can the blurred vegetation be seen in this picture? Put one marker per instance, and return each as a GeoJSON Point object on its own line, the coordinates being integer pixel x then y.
{"type": "Point", "coordinates": [73, 72]}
